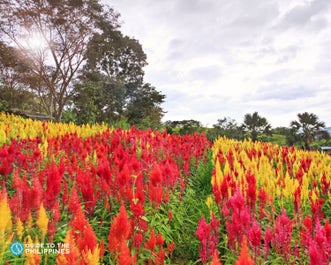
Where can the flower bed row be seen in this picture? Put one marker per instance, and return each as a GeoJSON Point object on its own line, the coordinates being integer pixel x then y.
{"type": "Point", "coordinates": [276, 198]}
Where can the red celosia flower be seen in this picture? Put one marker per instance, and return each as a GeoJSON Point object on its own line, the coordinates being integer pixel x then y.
{"type": "Point", "coordinates": [325, 185]}
{"type": "Point", "coordinates": [159, 259]}
{"type": "Point", "coordinates": [297, 199]}
{"type": "Point", "coordinates": [171, 247]}
{"type": "Point", "coordinates": [151, 243]}
{"type": "Point", "coordinates": [170, 216]}
{"type": "Point", "coordinates": [238, 223]}
{"type": "Point", "coordinates": [262, 202]}
{"type": "Point", "coordinates": [224, 188]}
{"type": "Point", "coordinates": [230, 158]}
{"type": "Point", "coordinates": [316, 208]}
{"type": "Point", "coordinates": [119, 230]}
{"type": "Point", "coordinates": [306, 232]}
{"type": "Point", "coordinates": [137, 240]}
{"type": "Point", "coordinates": [254, 238]}
{"type": "Point", "coordinates": [159, 240]}
{"type": "Point", "coordinates": [225, 209]}
{"type": "Point", "coordinates": [123, 176]}
{"type": "Point", "coordinates": [244, 258]}
{"type": "Point", "coordinates": [53, 184]}
{"type": "Point", "coordinates": [36, 193]}
{"type": "Point", "coordinates": [74, 202]}
{"type": "Point", "coordinates": [83, 232]}
{"type": "Point", "coordinates": [267, 241]}
{"type": "Point", "coordinates": [208, 236]}
{"type": "Point", "coordinates": [283, 235]}
{"type": "Point", "coordinates": [137, 209]}
{"type": "Point", "coordinates": [319, 248]}
{"type": "Point", "coordinates": [102, 248]}
{"type": "Point", "coordinates": [251, 189]}
{"type": "Point", "coordinates": [156, 175]}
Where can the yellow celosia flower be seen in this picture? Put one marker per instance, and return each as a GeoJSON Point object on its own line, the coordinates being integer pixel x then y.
{"type": "Point", "coordinates": [6, 234]}
{"type": "Point", "coordinates": [19, 228]}
{"type": "Point", "coordinates": [16, 125]}
{"type": "Point", "coordinates": [32, 256]}
{"type": "Point", "coordinates": [5, 217]}
{"type": "Point", "coordinates": [2, 137]}
{"type": "Point", "coordinates": [42, 221]}
{"type": "Point", "coordinates": [92, 258]}
{"type": "Point", "coordinates": [219, 175]}
{"type": "Point", "coordinates": [209, 201]}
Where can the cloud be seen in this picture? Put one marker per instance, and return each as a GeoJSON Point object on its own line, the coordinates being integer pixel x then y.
{"type": "Point", "coordinates": [207, 73]}
{"type": "Point", "coordinates": [227, 58]}
{"type": "Point", "coordinates": [283, 93]}
{"type": "Point", "coordinates": [306, 13]}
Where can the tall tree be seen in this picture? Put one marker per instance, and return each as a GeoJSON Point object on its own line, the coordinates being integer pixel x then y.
{"type": "Point", "coordinates": [306, 127]}
{"type": "Point", "coordinates": [52, 37]}
{"type": "Point", "coordinates": [13, 74]}
{"type": "Point", "coordinates": [144, 108]}
{"type": "Point", "coordinates": [116, 62]}
{"type": "Point", "coordinates": [255, 125]}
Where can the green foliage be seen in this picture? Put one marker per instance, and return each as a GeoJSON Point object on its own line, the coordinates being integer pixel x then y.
{"type": "Point", "coordinates": [86, 102]}
{"type": "Point", "coordinates": [183, 127]}
{"type": "Point", "coordinates": [278, 139]}
{"type": "Point", "coordinates": [187, 211]}
{"type": "Point", "coordinates": [4, 106]}
{"type": "Point", "coordinates": [225, 127]}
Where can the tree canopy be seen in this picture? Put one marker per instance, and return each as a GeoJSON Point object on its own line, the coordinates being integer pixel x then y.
{"type": "Point", "coordinates": [66, 50]}
{"type": "Point", "coordinates": [306, 128]}
{"type": "Point", "coordinates": [254, 124]}
{"type": "Point", "coordinates": [227, 127]}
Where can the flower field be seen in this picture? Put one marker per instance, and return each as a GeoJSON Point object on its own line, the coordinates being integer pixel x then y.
{"type": "Point", "coordinates": [96, 195]}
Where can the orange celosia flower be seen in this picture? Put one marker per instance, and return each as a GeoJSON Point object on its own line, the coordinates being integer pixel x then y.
{"type": "Point", "coordinates": [244, 258]}
{"type": "Point", "coordinates": [73, 255]}
{"type": "Point", "coordinates": [215, 260]}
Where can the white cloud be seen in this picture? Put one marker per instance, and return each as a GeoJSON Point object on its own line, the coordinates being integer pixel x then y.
{"type": "Point", "coordinates": [227, 58]}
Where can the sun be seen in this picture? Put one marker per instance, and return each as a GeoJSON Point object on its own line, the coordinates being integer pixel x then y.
{"type": "Point", "coordinates": [35, 41]}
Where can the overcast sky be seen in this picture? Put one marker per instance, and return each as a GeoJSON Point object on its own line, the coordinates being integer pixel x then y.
{"type": "Point", "coordinates": [221, 58]}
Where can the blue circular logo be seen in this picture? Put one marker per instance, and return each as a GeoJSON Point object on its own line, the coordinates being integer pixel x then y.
{"type": "Point", "coordinates": [16, 248]}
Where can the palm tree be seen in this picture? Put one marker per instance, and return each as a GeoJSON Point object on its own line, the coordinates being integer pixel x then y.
{"type": "Point", "coordinates": [256, 124]}
{"type": "Point", "coordinates": [307, 127]}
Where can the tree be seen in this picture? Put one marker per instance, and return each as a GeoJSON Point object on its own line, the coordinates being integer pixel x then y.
{"type": "Point", "coordinates": [116, 62]}
{"type": "Point", "coordinates": [144, 108]}
{"type": "Point", "coordinates": [255, 125]}
{"type": "Point", "coordinates": [225, 127]}
{"type": "Point", "coordinates": [13, 72]}
{"type": "Point", "coordinates": [64, 30]}
{"type": "Point", "coordinates": [306, 127]}
{"type": "Point", "coordinates": [183, 127]}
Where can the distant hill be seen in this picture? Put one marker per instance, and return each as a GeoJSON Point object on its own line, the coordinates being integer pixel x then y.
{"type": "Point", "coordinates": [328, 129]}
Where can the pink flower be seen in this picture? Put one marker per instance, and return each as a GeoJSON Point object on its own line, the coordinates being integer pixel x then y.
{"type": "Point", "coordinates": [254, 238]}
{"type": "Point", "coordinates": [283, 235]}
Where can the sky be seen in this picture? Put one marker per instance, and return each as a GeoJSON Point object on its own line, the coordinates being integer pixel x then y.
{"type": "Point", "coordinates": [219, 58]}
